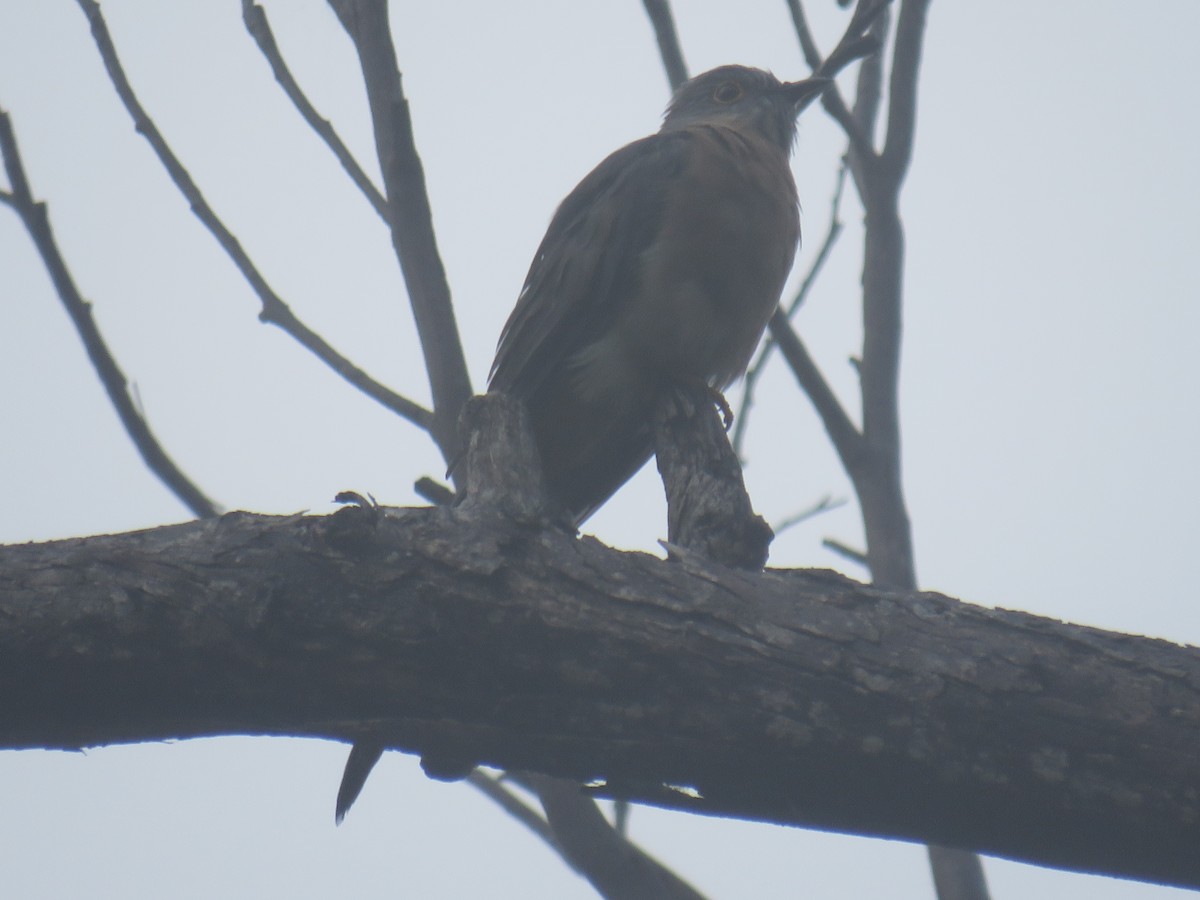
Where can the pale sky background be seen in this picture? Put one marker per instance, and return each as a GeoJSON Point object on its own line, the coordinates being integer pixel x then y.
{"type": "Point", "coordinates": [1049, 382]}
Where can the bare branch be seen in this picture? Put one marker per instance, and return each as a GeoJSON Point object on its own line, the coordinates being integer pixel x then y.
{"type": "Point", "coordinates": [847, 439]}
{"type": "Point", "coordinates": [515, 807]}
{"type": "Point", "coordinates": [902, 107]}
{"type": "Point", "coordinates": [37, 222]}
{"type": "Point", "coordinates": [957, 874]}
{"type": "Point", "coordinates": [857, 41]}
{"type": "Point", "coordinates": [434, 491]}
{"type": "Point", "coordinates": [659, 12]}
{"type": "Point", "coordinates": [851, 44]}
{"type": "Point", "coordinates": [824, 505]}
{"type": "Point", "coordinates": [869, 91]}
{"type": "Point", "coordinates": [274, 310]}
{"type": "Point", "coordinates": [808, 44]}
{"type": "Point", "coordinates": [876, 474]}
{"type": "Point", "coordinates": [255, 18]}
{"type": "Point", "coordinates": [616, 868]}
{"type": "Point", "coordinates": [846, 552]}
{"type": "Point", "coordinates": [798, 697]}
{"type": "Point", "coordinates": [366, 21]}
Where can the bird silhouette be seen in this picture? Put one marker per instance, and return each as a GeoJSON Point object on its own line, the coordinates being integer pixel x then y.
{"type": "Point", "coordinates": [661, 268]}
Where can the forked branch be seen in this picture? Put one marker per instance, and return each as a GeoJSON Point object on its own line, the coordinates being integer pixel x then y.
{"type": "Point", "coordinates": [255, 18]}
{"type": "Point", "coordinates": [274, 310]}
{"type": "Point", "coordinates": [37, 222]}
{"type": "Point", "coordinates": [410, 216]}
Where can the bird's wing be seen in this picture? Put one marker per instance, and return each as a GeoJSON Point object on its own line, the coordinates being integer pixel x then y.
{"type": "Point", "coordinates": [588, 262]}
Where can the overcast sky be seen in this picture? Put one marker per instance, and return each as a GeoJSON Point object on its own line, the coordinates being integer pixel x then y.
{"type": "Point", "coordinates": [1049, 381]}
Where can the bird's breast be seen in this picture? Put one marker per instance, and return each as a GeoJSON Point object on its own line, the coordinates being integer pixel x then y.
{"type": "Point", "coordinates": [713, 275]}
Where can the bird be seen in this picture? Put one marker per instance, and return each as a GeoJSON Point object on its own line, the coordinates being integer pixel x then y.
{"type": "Point", "coordinates": [660, 269]}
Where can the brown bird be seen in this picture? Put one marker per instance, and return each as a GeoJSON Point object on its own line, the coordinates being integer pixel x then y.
{"type": "Point", "coordinates": [661, 268]}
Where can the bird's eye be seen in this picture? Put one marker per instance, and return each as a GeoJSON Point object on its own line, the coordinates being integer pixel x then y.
{"type": "Point", "coordinates": [728, 92]}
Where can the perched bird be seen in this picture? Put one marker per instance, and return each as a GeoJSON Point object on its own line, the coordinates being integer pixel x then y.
{"type": "Point", "coordinates": [661, 268]}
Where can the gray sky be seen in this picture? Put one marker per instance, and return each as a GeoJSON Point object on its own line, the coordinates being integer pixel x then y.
{"type": "Point", "coordinates": [1049, 377]}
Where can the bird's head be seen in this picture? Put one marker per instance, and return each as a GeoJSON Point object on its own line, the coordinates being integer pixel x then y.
{"type": "Point", "coordinates": [743, 98]}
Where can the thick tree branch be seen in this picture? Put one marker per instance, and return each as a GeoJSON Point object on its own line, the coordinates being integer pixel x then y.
{"type": "Point", "coordinates": [36, 220]}
{"type": "Point", "coordinates": [584, 840]}
{"type": "Point", "coordinates": [708, 510]}
{"type": "Point", "coordinates": [797, 697]}
{"type": "Point", "coordinates": [274, 310]}
{"type": "Point", "coordinates": [366, 22]}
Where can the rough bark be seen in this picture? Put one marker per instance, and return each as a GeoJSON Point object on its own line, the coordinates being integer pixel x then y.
{"type": "Point", "coordinates": [708, 510]}
{"type": "Point", "coordinates": [797, 697]}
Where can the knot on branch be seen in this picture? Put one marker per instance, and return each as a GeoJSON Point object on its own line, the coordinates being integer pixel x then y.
{"type": "Point", "coordinates": [502, 470]}
{"type": "Point", "coordinates": [708, 509]}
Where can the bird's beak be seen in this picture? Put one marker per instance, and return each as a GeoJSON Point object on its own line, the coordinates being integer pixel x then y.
{"type": "Point", "coordinates": [801, 93]}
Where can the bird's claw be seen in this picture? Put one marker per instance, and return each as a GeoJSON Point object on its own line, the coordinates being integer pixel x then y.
{"type": "Point", "coordinates": [722, 406]}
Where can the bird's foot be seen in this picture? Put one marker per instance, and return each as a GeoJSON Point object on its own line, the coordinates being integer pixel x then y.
{"type": "Point", "coordinates": [722, 406]}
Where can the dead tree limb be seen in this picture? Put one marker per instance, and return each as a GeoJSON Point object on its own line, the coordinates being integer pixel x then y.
{"type": "Point", "coordinates": [796, 697]}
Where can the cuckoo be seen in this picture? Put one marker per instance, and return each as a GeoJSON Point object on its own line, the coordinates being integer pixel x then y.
{"type": "Point", "coordinates": [660, 268]}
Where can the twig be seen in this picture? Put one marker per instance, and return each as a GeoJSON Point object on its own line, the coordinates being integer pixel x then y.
{"type": "Point", "coordinates": [614, 866]}
{"type": "Point", "coordinates": [37, 222]}
{"type": "Point", "coordinates": [255, 18]}
{"type": "Point", "coordinates": [824, 505]}
{"type": "Point", "coordinates": [847, 439]}
{"type": "Point", "coordinates": [857, 41]}
{"type": "Point", "coordinates": [853, 45]}
{"type": "Point", "coordinates": [366, 21]}
{"type": "Point", "coordinates": [855, 556]}
{"type": "Point", "coordinates": [433, 491]}
{"type": "Point", "coordinates": [274, 310]}
{"type": "Point", "coordinates": [663, 22]}
{"type": "Point", "coordinates": [756, 369]}
{"type": "Point", "coordinates": [511, 804]}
